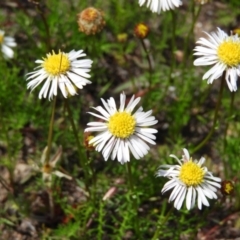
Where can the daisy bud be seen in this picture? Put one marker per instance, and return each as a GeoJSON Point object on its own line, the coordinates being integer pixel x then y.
{"type": "Point", "coordinates": [227, 187]}
{"type": "Point", "coordinates": [87, 138]}
{"type": "Point", "coordinates": [122, 37]}
{"type": "Point", "coordinates": [237, 31]}
{"type": "Point", "coordinates": [141, 30]}
{"type": "Point", "coordinates": [90, 21]}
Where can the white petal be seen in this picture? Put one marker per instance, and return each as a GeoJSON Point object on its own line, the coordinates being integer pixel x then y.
{"type": "Point", "coordinates": [99, 116]}
{"type": "Point", "coordinates": [175, 192]}
{"type": "Point", "coordinates": [108, 148]}
{"type": "Point", "coordinates": [180, 198]}
{"type": "Point", "coordinates": [145, 138]}
{"type": "Point", "coordinates": [122, 102]}
{"type": "Point", "coordinates": [7, 51]}
{"type": "Point", "coordinates": [201, 198]}
{"type": "Point", "coordinates": [189, 197]}
{"type": "Point", "coordinates": [60, 174]}
{"type": "Point", "coordinates": [186, 154]}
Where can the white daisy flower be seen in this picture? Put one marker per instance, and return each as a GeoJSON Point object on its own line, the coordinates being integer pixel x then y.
{"type": "Point", "coordinates": [6, 45]}
{"type": "Point", "coordinates": [63, 70]}
{"type": "Point", "coordinates": [122, 130]}
{"type": "Point", "coordinates": [189, 180]}
{"type": "Point", "coordinates": [224, 52]}
{"type": "Point", "coordinates": [160, 5]}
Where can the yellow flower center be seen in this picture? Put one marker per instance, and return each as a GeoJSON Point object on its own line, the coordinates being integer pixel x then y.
{"type": "Point", "coordinates": [191, 174]}
{"type": "Point", "coordinates": [229, 52]}
{"type": "Point", "coordinates": [56, 64]}
{"type": "Point", "coordinates": [122, 124]}
{"type": "Point", "coordinates": [1, 38]}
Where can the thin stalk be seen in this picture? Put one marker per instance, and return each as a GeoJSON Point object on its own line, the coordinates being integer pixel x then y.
{"type": "Point", "coordinates": [45, 23]}
{"type": "Point", "coordinates": [190, 33]}
{"type": "Point", "coordinates": [50, 131]}
{"type": "Point", "coordinates": [133, 198]}
{"type": "Point", "coordinates": [150, 68]}
{"type": "Point", "coordinates": [173, 46]}
{"type": "Point", "coordinates": [161, 223]}
{"type": "Point", "coordinates": [130, 181]}
{"type": "Point", "coordinates": [51, 204]}
{"type": "Point", "coordinates": [205, 140]}
{"type": "Point", "coordinates": [101, 214]}
{"type": "Point", "coordinates": [230, 114]}
{"type": "Point", "coordinates": [226, 168]}
{"type": "Point", "coordinates": [9, 151]}
{"type": "Point", "coordinates": [81, 152]}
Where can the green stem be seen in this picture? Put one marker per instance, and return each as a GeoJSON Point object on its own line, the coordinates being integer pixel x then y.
{"type": "Point", "coordinates": [205, 140]}
{"type": "Point", "coordinates": [51, 203]}
{"type": "Point", "coordinates": [226, 167]}
{"type": "Point", "coordinates": [101, 222]}
{"type": "Point", "coordinates": [190, 33]}
{"type": "Point", "coordinates": [150, 68]}
{"type": "Point", "coordinates": [50, 131]}
{"type": "Point", "coordinates": [133, 198]}
{"type": "Point", "coordinates": [130, 181]}
{"type": "Point", "coordinates": [161, 223]}
{"type": "Point", "coordinates": [230, 114]}
{"type": "Point", "coordinates": [9, 150]}
{"type": "Point", "coordinates": [173, 46]}
{"type": "Point", "coordinates": [48, 37]}
{"type": "Point", "coordinates": [81, 153]}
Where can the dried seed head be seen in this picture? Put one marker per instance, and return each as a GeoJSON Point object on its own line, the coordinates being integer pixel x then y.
{"type": "Point", "coordinates": [90, 21]}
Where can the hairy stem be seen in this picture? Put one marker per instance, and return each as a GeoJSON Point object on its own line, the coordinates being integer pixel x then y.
{"type": "Point", "coordinates": [50, 131]}
{"type": "Point", "coordinates": [133, 198]}
{"type": "Point", "coordinates": [205, 140]}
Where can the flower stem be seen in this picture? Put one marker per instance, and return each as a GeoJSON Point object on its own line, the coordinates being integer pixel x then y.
{"type": "Point", "coordinates": [133, 198]}
{"type": "Point", "coordinates": [160, 223]}
{"type": "Point", "coordinates": [81, 153]}
{"type": "Point", "coordinates": [150, 68]}
{"type": "Point", "coordinates": [50, 131]}
{"type": "Point", "coordinates": [230, 114]}
{"type": "Point", "coordinates": [48, 37]}
{"type": "Point", "coordinates": [51, 203]}
{"type": "Point", "coordinates": [130, 181]}
{"type": "Point", "coordinates": [205, 140]}
{"type": "Point", "coordinates": [173, 39]}
{"type": "Point", "coordinates": [190, 33]}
